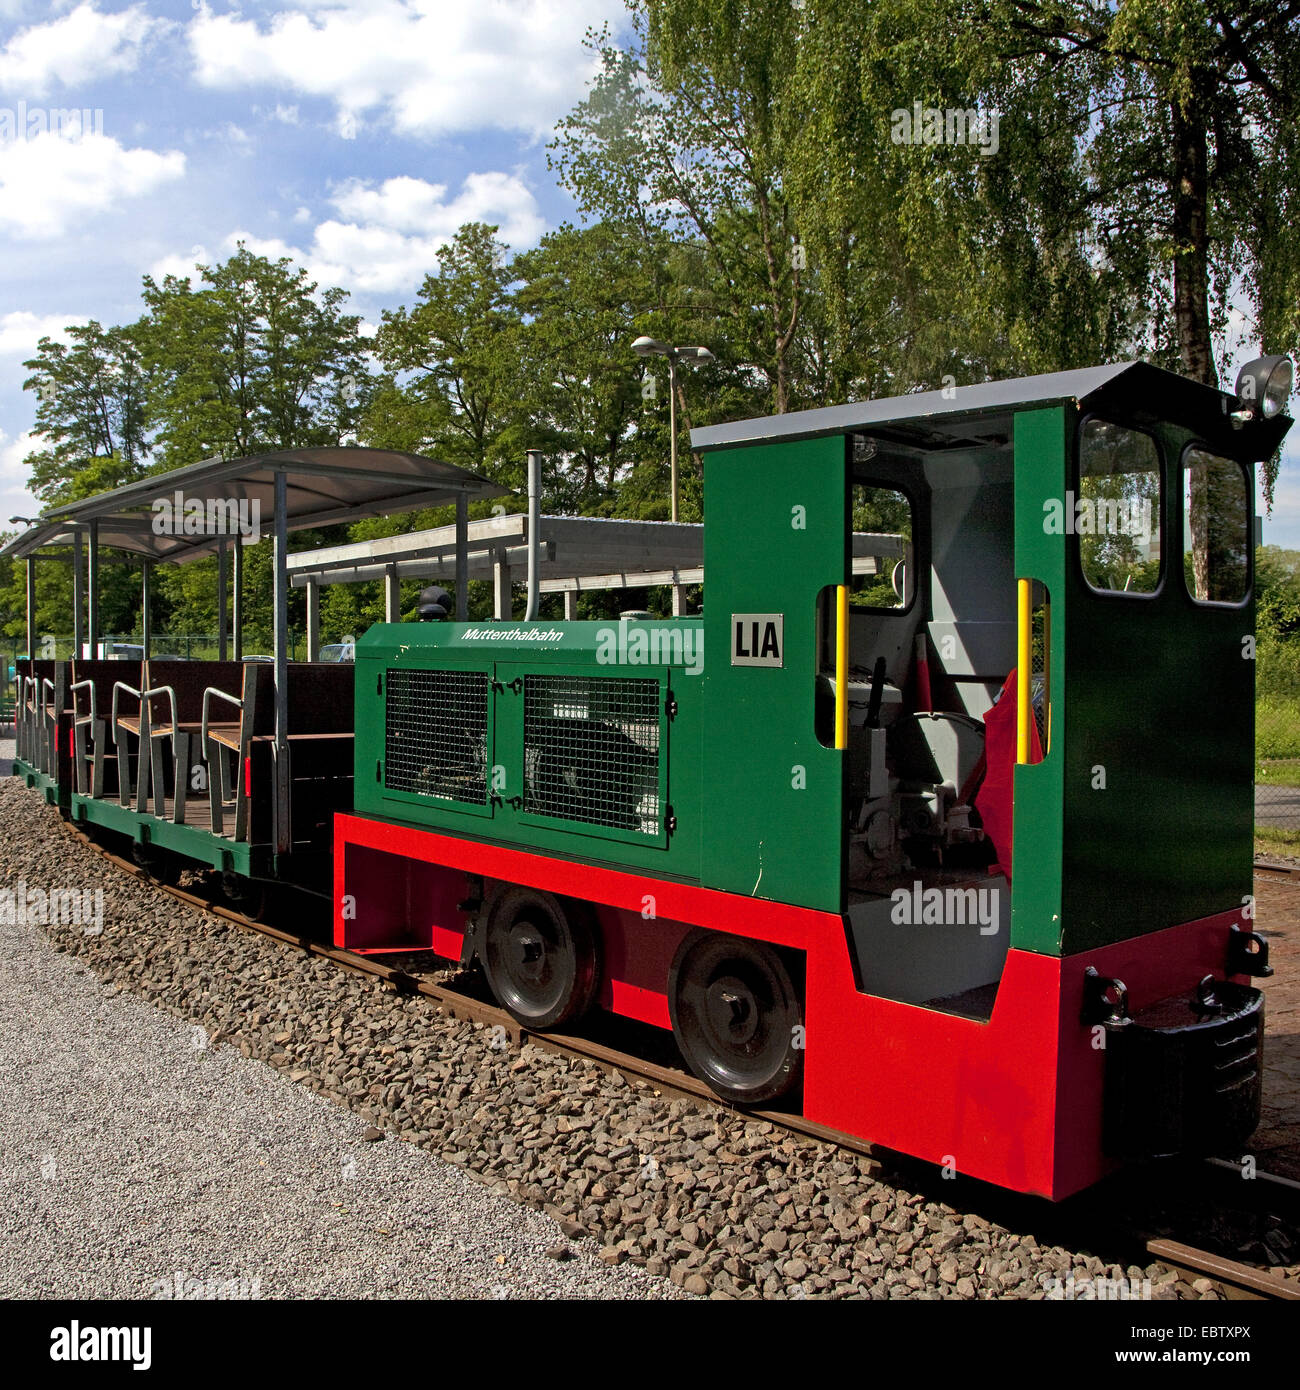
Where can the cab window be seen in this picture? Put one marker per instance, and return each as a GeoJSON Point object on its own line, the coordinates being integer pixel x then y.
{"type": "Point", "coordinates": [1216, 528]}
{"type": "Point", "coordinates": [1116, 511]}
{"type": "Point", "coordinates": [881, 548]}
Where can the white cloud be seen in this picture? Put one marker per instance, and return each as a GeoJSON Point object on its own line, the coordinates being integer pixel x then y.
{"type": "Point", "coordinates": [82, 46]}
{"type": "Point", "coordinates": [15, 500]}
{"type": "Point", "coordinates": [181, 264]}
{"type": "Point", "coordinates": [21, 330]}
{"type": "Point", "coordinates": [386, 237]}
{"type": "Point", "coordinates": [50, 182]}
{"type": "Point", "coordinates": [425, 66]}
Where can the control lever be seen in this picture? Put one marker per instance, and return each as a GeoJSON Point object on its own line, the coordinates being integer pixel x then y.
{"type": "Point", "coordinates": [877, 694]}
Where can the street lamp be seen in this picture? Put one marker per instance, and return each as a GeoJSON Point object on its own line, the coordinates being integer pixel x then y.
{"type": "Point", "coordinates": [652, 347]}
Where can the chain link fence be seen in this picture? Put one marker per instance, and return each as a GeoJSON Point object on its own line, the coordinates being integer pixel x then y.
{"type": "Point", "coordinates": [1277, 741]}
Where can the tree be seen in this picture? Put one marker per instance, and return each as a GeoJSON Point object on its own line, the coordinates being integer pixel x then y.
{"type": "Point", "coordinates": [681, 148]}
{"type": "Point", "coordinates": [458, 350]}
{"type": "Point", "coordinates": [1150, 145]}
{"type": "Point", "coordinates": [577, 293]}
{"type": "Point", "coordinates": [257, 358]}
{"type": "Point", "coordinates": [90, 412]}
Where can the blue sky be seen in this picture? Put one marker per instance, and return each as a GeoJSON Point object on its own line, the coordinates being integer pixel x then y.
{"type": "Point", "coordinates": [355, 137]}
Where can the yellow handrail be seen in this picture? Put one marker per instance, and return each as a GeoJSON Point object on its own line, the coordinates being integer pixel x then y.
{"type": "Point", "coordinates": [841, 666]}
{"type": "Point", "coordinates": [1025, 669]}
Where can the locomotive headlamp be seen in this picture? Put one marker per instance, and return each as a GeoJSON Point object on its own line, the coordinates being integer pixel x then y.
{"type": "Point", "coordinates": [1264, 385]}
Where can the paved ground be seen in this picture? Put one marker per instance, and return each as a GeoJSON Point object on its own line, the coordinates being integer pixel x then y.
{"type": "Point", "coordinates": [6, 756]}
{"type": "Point", "coordinates": [1278, 806]}
{"type": "Point", "coordinates": [135, 1159]}
{"type": "Point", "coordinates": [1277, 1141]}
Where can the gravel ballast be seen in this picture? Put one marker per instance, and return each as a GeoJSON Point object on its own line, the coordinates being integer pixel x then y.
{"type": "Point", "coordinates": [207, 1160]}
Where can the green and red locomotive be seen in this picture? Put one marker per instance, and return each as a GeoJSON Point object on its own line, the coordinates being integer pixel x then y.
{"type": "Point", "coordinates": [949, 846]}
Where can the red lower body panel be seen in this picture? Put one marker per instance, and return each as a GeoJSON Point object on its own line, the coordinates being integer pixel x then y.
{"type": "Point", "coordinates": [1016, 1100]}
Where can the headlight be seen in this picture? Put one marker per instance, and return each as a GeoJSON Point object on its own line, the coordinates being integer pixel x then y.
{"type": "Point", "coordinates": [1264, 385]}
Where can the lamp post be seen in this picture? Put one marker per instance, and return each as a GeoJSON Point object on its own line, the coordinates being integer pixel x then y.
{"type": "Point", "coordinates": [651, 347]}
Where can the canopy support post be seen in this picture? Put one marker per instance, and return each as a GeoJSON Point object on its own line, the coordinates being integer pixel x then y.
{"type": "Point", "coordinates": [238, 604]}
{"type": "Point", "coordinates": [78, 595]}
{"type": "Point", "coordinates": [502, 598]}
{"type": "Point", "coordinates": [313, 620]}
{"type": "Point", "coordinates": [223, 585]}
{"type": "Point", "coordinates": [462, 557]}
{"type": "Point", "coordinates": [146, 623]}
{"type": "Point", "coordinates": [92, 591]}
{"type": "Point", "coordinates": [392, 595]}
{"type": "Point", "coordinates": [283, 840]}
{"type": "Point", "coordinates": [31, 608]}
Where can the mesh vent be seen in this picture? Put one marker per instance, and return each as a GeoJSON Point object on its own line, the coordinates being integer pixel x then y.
{"type": "Point", "coordinates": [592, 750]}
{"type": "Point", "coordinates": [435, 734]}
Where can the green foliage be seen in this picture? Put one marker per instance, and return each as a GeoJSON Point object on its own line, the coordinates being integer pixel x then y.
{"type": "Point", "coordinates": [90, 412]}
{"type": "Point", "coordinates": [743, 186]}
{"type": "Point", "coordinates": [256, 358]}
{"type": "Point", "coordinates": [458, 352]}
{"type": "Point", "coordinates": [1277, 596]}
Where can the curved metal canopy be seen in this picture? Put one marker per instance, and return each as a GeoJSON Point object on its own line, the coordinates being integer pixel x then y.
{"type": "Point", "coordinates": [323, 487]}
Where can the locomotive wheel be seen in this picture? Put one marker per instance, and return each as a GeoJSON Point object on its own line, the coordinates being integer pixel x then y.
{"type": "Point", "coordinates": [735, 1012]}
{"type": "Point", "coordinates": [539, 956]}
{"type": "Point", "coordinates": [248, 897]}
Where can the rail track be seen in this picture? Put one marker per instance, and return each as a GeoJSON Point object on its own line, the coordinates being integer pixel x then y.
{"type": "Point", "coordinates": [1236, 1280]}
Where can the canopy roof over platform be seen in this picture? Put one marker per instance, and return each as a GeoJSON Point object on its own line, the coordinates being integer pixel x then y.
{"type": "Point", "coordinates": [323, 487]}
{"type": "Point", "coordinates": [578, 554]}
{"type": "Point", "coordinates": [220, 504]}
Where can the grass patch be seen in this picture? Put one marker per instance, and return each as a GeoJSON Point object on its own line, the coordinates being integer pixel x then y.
{"type": "Point", "coordinates": [1277, 727]}
{"type": "Point", "coordinates": [1278, 772]}
{"type": "Point", "coordinates": [1271, 840]}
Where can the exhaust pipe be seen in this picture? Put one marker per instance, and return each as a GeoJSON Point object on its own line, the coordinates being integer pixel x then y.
{"type": "Point", "coordinates": [534, 531]}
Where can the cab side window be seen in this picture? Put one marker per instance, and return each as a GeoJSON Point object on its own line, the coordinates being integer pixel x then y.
{"type": "Point", "coordinates": [1216, 528]}
{"type": "Point", "coordinates": [1116, 511]}
{"type": "Point", "coordinates": [882, 548]}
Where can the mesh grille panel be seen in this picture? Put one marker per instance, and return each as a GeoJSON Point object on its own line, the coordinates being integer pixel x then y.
{"type": "Point", "coordinates": [435, 734]}
{"type": "Point", "coordinates": [592, 751]}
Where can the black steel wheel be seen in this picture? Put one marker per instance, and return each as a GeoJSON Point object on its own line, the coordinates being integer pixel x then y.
{"type": "Point", "coordinates": [246, 896]}
{"type": "Point", "coordinates": [540, 958]}
{"type": "Point", "coordinates": [737, 1017]}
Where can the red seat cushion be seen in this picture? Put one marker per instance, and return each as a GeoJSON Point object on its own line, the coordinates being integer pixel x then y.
{"type": "Point", "coordinates": [994, 801]}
